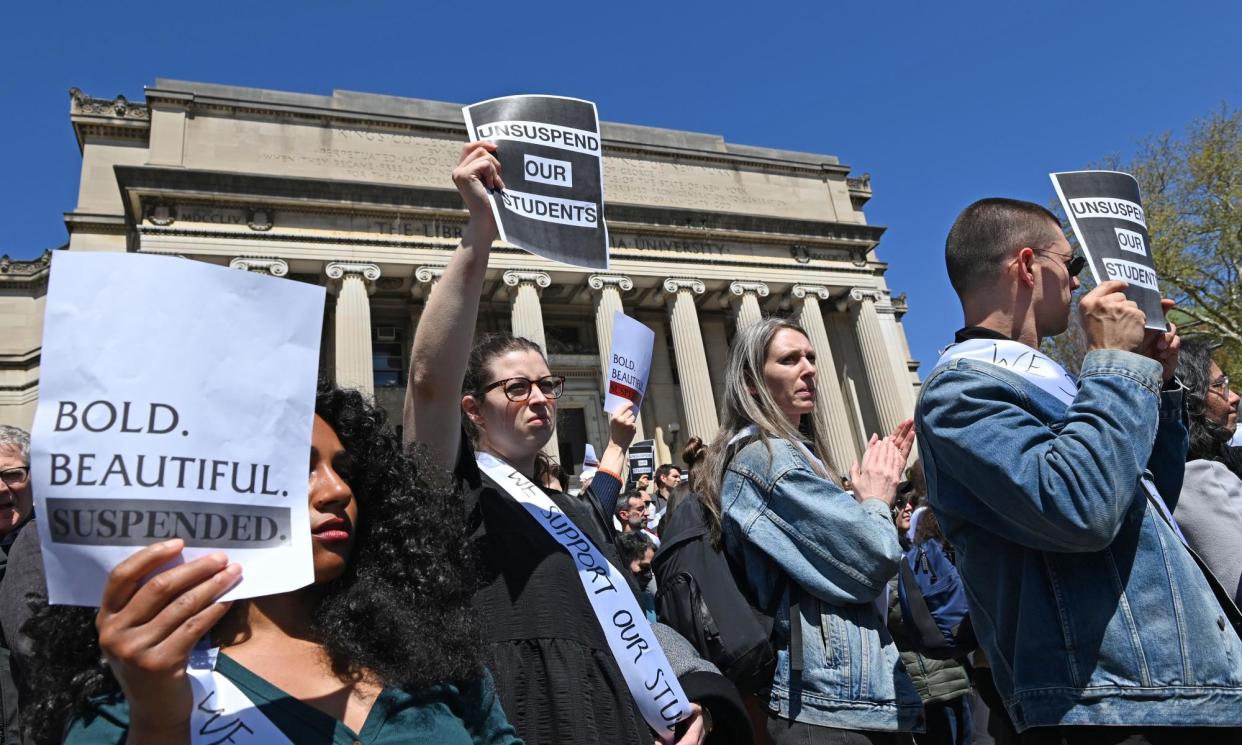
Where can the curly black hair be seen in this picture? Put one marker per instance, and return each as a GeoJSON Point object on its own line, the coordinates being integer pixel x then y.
{"type": "Point", "coordinates": [402, 609]}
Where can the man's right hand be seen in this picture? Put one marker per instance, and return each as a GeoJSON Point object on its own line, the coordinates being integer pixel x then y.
{"type": "Point", "coordinates": [1109, 320]}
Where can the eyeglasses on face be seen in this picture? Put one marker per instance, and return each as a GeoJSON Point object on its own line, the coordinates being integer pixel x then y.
{"type": "Point", "coordinates": [15, 477]}
{"type": "Point", "coordinates": [518, 389]}
{"type": "Point", "coordinates": [1220, 385]}
{"type": "Point", "coordinates": [1074, 266]}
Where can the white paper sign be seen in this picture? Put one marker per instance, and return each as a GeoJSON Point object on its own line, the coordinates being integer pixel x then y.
{"type": "Point", "coordinates": [175, 401]}
{"type": "Point", "coordinates": [632, 343]}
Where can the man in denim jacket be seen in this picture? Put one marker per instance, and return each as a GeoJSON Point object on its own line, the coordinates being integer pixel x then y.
{"type": "Point", "coordinates": [1096, 620]}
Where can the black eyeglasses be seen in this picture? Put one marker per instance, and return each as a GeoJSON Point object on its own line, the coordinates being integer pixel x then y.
{"type": "Point", "coordinates": [518, 389]}
{"type": "Point", "coordinates": [15, 476]}
{"type": "Point", "coordinates": [1074, 266]}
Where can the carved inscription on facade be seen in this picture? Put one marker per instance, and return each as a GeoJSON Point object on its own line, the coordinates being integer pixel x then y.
{"type": "Point", "coordinates": [373, 156]}
{"type": "Point", "coordinates": [701, 187]}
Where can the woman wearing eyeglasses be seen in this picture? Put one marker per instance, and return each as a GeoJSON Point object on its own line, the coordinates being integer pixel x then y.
{"type": "Point", "coordinates": [554, 673]}
{"type": "Point", "coordinates": [1209, 510]}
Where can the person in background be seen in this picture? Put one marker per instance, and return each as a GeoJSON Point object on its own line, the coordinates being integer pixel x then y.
{"type": "Point", "coordinates": [693, 455]}
{"type": "Point", "coordinates": [818, 556]}
{"type": "Point", "coordinates": [16, 512]}
{"type": "Point", "coordinates": [637, 551]}
{"type": "Point", "coordinates": [1209, 509]}
{"type": "Point", "coordinates": [944, 685]}
{"type": "Point", "coordinates": [16, 500]}
{"type": "Point", "coordinates": [667, 478]}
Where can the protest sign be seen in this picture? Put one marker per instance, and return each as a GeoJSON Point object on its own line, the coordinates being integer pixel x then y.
{"type": "Point", "coordinates": [551, 161]}
{"type": "Point", "coordinates": [176, 400]}
{"type": "Point", "coordinates": [632, 343]}
{"type": "Point", "coordinates": [641, 459]}
{"type": "Point", "coordinates": [1106, 213]}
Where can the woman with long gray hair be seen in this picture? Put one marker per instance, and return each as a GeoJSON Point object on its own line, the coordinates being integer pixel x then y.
{"type": "Point", "coordinates": [811, 553]}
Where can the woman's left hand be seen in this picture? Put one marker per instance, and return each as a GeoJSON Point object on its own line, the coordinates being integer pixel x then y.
{"type": "Point", "coordinates": [903, 438]}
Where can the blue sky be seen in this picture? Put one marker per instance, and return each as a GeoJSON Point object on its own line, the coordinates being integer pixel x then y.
{"type": "Point", "coordinates": [942, 103]}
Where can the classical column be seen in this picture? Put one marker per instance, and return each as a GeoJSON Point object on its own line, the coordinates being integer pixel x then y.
{"type": "Point", "coordinates": [716, 345]}
{"type": "Point", "coordinates": [607, 289]}
{"type": "Point", "coordinates": [748, 310]}
{"type": "Point", "coordinates": [898, 353]}
{"type": "Point", "coordinates": [890, 405]}
{"type": "Point", "coordinates": [696, 387]}
{"type": "Point", "coordinates": [527, 321]}
{"type": "Point", "coordinates": [662, 396]}
{"type": "Point", "coordinates": [352, 283]}
{"type": "Point", "coordinates": [829, 403]}
{"type": "Point", "coordinates": [274, 267]}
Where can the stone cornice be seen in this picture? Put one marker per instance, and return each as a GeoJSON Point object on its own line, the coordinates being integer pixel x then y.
{"type": "Point", "coordinates": [439, 118]}
{"type": "Point", "coordinates": [262, 265]}
{"type": "Point", "coordinates": [23, 273]}
{"type": "Point", "coordinates": [619, 281]}
{"type": "Point", "coordinates": [677, 284]}
{"type": "Point", "coordinates": [103, 117]}
{"type": "Point", "coordinates": [142, 184]}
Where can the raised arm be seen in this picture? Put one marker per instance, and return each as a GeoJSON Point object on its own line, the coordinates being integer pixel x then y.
{"type": "Point", "coordinates": [441, 346]}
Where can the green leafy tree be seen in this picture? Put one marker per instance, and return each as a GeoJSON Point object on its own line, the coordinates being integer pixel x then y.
{"type": "Point", "coordinates": [1192, 194]}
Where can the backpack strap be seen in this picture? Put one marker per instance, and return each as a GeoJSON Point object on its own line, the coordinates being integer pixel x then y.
{"type": "Point", "coordinates": [796, 657]}
{"type": "Point", "coordinates": [921, 615]}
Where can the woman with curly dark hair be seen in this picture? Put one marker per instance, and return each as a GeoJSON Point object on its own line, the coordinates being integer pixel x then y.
{"type": "Point", "coordinates": [382, 648]}
{"type": "Point", "coordinates": [1209, 508]}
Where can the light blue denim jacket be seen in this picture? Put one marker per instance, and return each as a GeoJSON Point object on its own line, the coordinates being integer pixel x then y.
{"type": "Point", "coordinates": [782, 521]}
{"type": "Point", "coordinates": [1087, 604]}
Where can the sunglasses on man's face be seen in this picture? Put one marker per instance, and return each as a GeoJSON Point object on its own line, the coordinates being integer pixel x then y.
{"type": "Point", "coordinates": [1075, 265]}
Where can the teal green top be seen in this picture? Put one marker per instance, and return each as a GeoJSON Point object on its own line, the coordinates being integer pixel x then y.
{"type": "Point", "coordinates": [443, 715]}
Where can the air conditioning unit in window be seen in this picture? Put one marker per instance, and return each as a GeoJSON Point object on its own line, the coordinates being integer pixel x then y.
{"type": "Point", "coordinates": [385, 333]}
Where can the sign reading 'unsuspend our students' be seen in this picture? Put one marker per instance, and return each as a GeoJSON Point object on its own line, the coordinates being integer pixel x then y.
{"type": "Point", "coordinates": [176, 400]}
{"type": "Point", "coordinates": [1106, 213]}
{"type": "Point", "coordinates": [551, 160]}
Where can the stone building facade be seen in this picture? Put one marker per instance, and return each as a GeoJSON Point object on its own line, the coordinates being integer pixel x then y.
{"type": "Point", "coordinates": [352, 191]}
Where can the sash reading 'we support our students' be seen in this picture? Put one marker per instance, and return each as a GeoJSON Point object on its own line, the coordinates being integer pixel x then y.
{"type": "Point", "coordinates": [1046, 374]}
{"type": "Point", "coordinates": [222, 713]}
{"type": "Point", "coordinates": [647, 672]}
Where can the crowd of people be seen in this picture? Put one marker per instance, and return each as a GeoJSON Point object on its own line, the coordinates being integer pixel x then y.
{"type": "Point", "coordinates": [1032, 557]}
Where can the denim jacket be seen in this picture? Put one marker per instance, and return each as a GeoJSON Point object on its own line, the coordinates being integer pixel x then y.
{"type": "Point", "coordinates": [1085, 600]}
{"type": "Point", "coordinates": [781, 520]}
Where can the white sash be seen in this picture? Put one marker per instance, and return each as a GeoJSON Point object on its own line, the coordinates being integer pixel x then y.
{"type": "Point", "coordinates": [222, 713]}
{"type": "Point", "coordinates": [1040, 370]}
{"type": "Point", "coordinates": [647, 672]}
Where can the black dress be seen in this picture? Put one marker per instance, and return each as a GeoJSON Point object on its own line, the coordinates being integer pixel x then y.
{"type": "Point", "coordinates": [553, 671]}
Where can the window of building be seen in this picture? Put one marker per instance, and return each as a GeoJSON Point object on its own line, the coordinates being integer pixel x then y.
{"type": "Point", "coordinates": [387, 361]}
